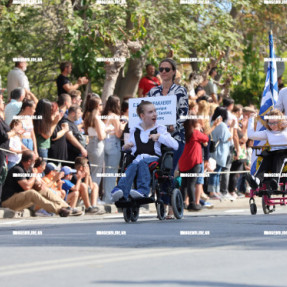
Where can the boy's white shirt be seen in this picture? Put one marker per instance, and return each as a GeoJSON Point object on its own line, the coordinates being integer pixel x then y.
{"type": "Point", "coordinates": [164, 138]}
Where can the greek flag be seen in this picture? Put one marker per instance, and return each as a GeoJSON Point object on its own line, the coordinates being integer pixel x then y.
{"type": "Point", "coordinates": [269, 99]}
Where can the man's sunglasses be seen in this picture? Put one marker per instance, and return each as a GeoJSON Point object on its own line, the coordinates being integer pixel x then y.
{"type": "Point", "coordinates": [166, 69]}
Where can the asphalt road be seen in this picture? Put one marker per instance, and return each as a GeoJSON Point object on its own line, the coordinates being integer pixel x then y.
{"type": "Point", "coordinates": [220, 248]}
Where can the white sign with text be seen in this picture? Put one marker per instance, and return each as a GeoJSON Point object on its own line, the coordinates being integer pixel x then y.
{"type": "Point", "coordinates": [165, 108]}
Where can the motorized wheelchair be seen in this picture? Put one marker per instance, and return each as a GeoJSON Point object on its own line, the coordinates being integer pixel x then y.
{"type": "Point", "coordinates": [160, 174]}
{"type": "Point", "coordinates": [266, 190]}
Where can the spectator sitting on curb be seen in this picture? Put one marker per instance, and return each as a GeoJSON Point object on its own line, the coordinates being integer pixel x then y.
{"type": "Point", "coordinates": [81, 164]}
{"type": "Point", "coordinates": [52, 179]}
{"type": "Point", "coordinates": [19, 193]}
{"type": "Point", "coordinates": [78, 190]}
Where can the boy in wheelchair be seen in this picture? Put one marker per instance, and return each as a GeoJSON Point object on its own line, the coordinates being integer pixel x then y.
{"type": "Point", "coordinates": [145, 143]}
{"type": "Point", "coordinates": [275, 159]}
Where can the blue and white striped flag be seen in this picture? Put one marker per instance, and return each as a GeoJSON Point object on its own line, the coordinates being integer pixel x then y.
{"type": "Point", "coordinates": [269, 99]}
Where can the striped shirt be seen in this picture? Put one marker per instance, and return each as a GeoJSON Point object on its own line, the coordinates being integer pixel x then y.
{"type": "Point", "coordinates": [181, 107]}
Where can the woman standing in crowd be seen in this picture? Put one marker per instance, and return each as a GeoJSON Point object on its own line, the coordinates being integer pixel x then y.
{"type": "Point", "coordinates": [114, 129]}
{"type": "Point", "coordinates": [221, 136]}
{"type": "Point", "coordinates": [167, 69]}
{"type": "Point", "coordinates": [27, 111]}
{"type": "Point", "coordinates": [95, 128]}
{"type": "Point", "coordinates": [46, 119]}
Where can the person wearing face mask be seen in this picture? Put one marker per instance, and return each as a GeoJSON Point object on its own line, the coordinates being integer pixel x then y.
{"type": "Point", "coordinates": [274, 160]}
{"type": "Point", "coordinates": [17, 78]}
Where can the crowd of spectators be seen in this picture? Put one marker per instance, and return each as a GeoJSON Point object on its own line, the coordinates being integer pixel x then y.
{"type": "Point", "coordinates": [67, 149]}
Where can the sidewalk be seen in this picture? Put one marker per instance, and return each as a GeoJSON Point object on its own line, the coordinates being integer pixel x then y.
{"type": "Point", "coordinates": [241, 203]}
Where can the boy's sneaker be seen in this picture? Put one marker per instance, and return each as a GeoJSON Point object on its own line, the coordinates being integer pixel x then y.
{"type": "Point", "coordinates": [208, 205]}
{"type": "Point", "coordinates": [253, 181]}
{"type": "Point", "coordinates": [136, 194]}
{"type": "Point", "coordinates": [116, 194]}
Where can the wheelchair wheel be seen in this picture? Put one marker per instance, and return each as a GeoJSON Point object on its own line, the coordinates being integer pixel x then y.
{"type": "Point", "coordinates": [265, 207]}
{"type": "Point", "coordinates": [253, 208]}
{"type": "Point", "coordinates": [160, 210]}
{"type": "Point", "coordinates": [177, 203]}
{"type": "Point", "coordinates": [127, 214]}
{"type": "Point", "coordinates": [135, 214]}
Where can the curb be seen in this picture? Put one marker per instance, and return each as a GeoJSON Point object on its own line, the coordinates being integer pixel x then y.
{"type": "Point", "coordinates": [241, 203]}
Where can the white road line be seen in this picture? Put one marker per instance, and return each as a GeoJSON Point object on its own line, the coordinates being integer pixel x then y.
{"type": "Point", "coordinates": [25, 268]}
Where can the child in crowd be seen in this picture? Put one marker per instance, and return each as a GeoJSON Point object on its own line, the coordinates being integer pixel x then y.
{"type": "Point", "coordinates": [78, 190]}
{"type": "Point", "coordinates": [145, 143]}
{"type": "Point", "coordinates": [81, 165]}
{"type": "Point", "coordinates": [15, 144]}
{"type": "Point", "coordinates": [191, 161]}
{"type": "Point", "coordinates": [52, 179]}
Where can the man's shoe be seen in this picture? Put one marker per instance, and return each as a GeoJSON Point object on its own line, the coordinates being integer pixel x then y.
{"type": "Point", "coordinates": [253, 181]}
{"type": "Point", "coordinates": [116, 194]}
{"type": "Point", "coordinates": [93, 210]}
{"type": "Point", "coordinates": [64, 212]}
{"type": "Point", "coordinates": [75, 212]}
{"type": "Point", "coordinates": [194, 207]}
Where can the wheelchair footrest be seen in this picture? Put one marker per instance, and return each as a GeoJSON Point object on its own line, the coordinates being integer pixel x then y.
{"type": "Point", "coordinates": [134, 202]}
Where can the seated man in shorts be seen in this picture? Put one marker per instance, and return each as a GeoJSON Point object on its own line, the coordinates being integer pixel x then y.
{"type": "Point", "coordinates": [145, 143]}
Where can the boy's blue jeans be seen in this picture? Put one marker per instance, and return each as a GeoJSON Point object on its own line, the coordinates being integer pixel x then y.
{"type": "Point", "coordinates": [140, 169]}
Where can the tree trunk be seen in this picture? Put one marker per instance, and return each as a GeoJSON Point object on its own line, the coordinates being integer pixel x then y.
{"type": "Point", "coordinates": [119, 50]}
{"type": "Point", "coordinates": [129, 84]}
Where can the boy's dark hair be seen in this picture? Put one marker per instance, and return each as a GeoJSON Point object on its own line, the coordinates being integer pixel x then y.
{"type": "Point", "coordinates": [62, 99]}
{"type": "Point", "coordinates": [16, 94]}
{"type": "Point", "coordinates": [140, 107]}
{"type": "Point", "coordinates": [80, 161]}
{"type": "Point", "coordinates": [73, 109]}
{"type": "Point", "coordinates": [124, 106]}
{"type": "Point", "coordinates": [39, 161]}
{"type": "Point", "coordinates": [147, 65]}
{"type": "Point", "coordinates": [227, 102]}
{"type": "Point", "coordinates": [27, 155]}
{"type": "Point", "coordinates": [219, 111]}
{"type": "Point", "coordinates": [65, 65]}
